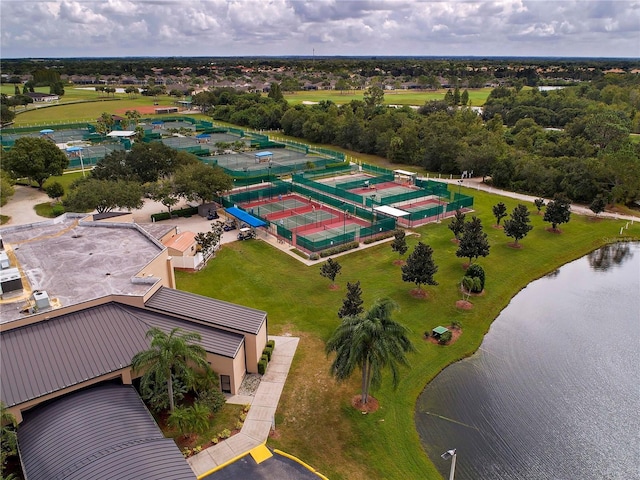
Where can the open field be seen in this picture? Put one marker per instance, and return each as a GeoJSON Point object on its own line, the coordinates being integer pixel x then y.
{"type": "Point", "coordinates": [315, 421]}
{"type": "Point", "coordinates": [392, 97]}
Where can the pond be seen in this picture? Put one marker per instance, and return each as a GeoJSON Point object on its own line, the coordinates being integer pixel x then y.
{"type": "Point", "coordinates": [554, 390]}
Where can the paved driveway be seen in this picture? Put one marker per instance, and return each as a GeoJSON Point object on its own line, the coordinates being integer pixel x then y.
{"type": "Point", "coordinates": [276, 467]}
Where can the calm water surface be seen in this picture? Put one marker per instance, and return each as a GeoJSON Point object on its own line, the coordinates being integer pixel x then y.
{"type": "Point", "coordinates": [554, 390]}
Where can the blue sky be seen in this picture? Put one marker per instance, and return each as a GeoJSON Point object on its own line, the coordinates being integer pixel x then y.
{"type": "Point", "coordinates": [96, 28]}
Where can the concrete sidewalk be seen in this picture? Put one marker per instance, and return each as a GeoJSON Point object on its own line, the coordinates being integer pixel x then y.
{"type": "Point", "coordinates": [260, 417]}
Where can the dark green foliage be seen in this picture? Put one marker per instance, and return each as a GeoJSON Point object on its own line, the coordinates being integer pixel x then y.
{"type": "Point", "coordinates": [35, 158]}
{"type": "Point", "coordinates": [445, 337]}
{"type": "Point", "coordinates": [457, 224]}
{"type": "Point", "coordinates": [476, 271]}
{"type": "Point", "coordinates": [518, 226]}
{"type": "Point", "coordinates": [352, 303]}
{"type": "Point", "coordinates": [57, 210]}
{"type": "Point", "coordinates": [539, 203]}
{"type": "Point", "coordinates": [271, 343]}
{"type": "Point", "coordinates": [474, 242]}
{"type": "Point", "coordinates": [330, 269]}
{"type": "Point", "coordinates": [399, 243]}
{"type": "Point", "coordinates": [558, 211]}
{"type": "Point", "coordinates": [264, 357]}
{"type": "Point", "coordinates": [499, 211]}
{"type": "Point", "coordinates": [262, 366]}
{"type": "Point", "coordinates": [371, 342]}
{"type": "Point", "coordinates": [54, 190]}
{"type": "Point", "coordinates": [213, 399]}
{"type": "Point", "coordinates": [268, 351]}
{"type": "Point", "coordinates": [377, 238]}
{"type": "Point", "coordinates": [598, 204]}
{"type": "Point", "coordinates": [420, 267]}
{"type": "Point", "coordinates": [339, 249]}
{"type": "Point", "coordinates": [156, 217]}
{"type": "Point", "coordinates": [103, 195]}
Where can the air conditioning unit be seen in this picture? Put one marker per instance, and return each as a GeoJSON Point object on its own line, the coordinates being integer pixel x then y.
{"type": "Point", "coordinates": [4, 260]}
{"type": "Point", "coordinates": [42, 299]}
{"type": "Point", "coordinates": [10, 280]}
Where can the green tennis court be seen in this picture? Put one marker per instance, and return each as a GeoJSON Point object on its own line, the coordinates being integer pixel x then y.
{"type": "Point", "coordinates": [282, 205]}
{"type": "Point", "coordinates": [294, 221]}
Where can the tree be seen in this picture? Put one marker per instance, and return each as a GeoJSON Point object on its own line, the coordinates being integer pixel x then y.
{"type": "Point", "coordinates": [190, 420]}
{"type": "Point", "coordinates": [473, 241]}
{"type": "Point", "coordinates": [420, 267]}
{"type": "Point", "coordinates": [199, 181]}
{"type": "Point", "coordinates": [170, 355]}
{"type": "Point", "coordinates": [105, 123]}
{"type": "Point", "coordinates": [457, 224]}
{"type": "Point", "coordinates": [164, 191]}
{"type": "Point", "coordinates": [132, 116]}
{"type": "Point", "coordinates": [103, 195]}
{"type": "Point", "coordinates": [598, 205]}
{"type": "Point", "coordinates": [469, 285]}
{"type": "Point", "coordinates": [558, 211]}
{"type": "Point", "coordinates": [6, 115]}
{"type": "Point", "coordinates": [352, 303]}
{"type": "Point", "coordinates": [35, 158]}
{"type": "Point", "coordinates": [208, 241]}
{"type": "Point", "coordinates": [373, 97]}
{"type": "Point", "coordinates": [330, 269]}
{"type": "Point", "coordinates": [8, 437]}
{"type": "Point", "coordinates": [518, 226]}
{"type": "Point", "coordinates": [399, 243]}
{"type": "Point", "coordinates": [539, 203]}
{"type": "Point", "coordinates": [499, 211]}
{"type": "Point", "coordinates": [371, 342]}
{"type": "Point", "coordinates": [6, 187]}
{"type": "Point", "coordinates": [275, 92]}
{"type": "Point", "coordinates": [464, 98]}
{"type": "Point", "coordinates": [54, 190]}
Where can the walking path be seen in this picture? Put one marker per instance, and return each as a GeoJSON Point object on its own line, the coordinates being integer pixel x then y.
{"type": "Point", "coordinates": [261, 415]}
{"type": "Point", "coordinates": [478, 184]}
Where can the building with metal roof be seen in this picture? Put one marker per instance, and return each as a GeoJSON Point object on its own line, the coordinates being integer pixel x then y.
{"type": "Point", "coordinates": [104, 432]}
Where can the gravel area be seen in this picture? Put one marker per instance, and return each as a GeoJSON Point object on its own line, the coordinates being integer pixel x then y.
{"type": "Point", "coordinates": [250, 384]}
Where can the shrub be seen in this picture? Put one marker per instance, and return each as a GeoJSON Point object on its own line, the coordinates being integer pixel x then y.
{"type": "Point", "coordinates": [262, 366]}
{"type": "Point", "coordinates": [213, 399]}
{"type": "Point", "coordinates": [239, 424]}
{"type": "Point", "coordinates": [377, 238]}
{"type": "Point", "coordinates": [268, 351]}
{"type": "Point", "coordinates": [226, 433]}
{"type": "Point", "coordinates": [339, 249]}
{"type": "Point", "coordinates": [427, 334]}
{"type": "Point", "coordinates": [57, 210]}
{"type": "Point", "coordinates": [314, 256]}
{"type": "Point", "coordinates": [444, 338]}
{"type": "Point", "coordinates": [265, 358]}
{"type": "Point", "coordinates": [456, 324]}
{"type": "Point", "coordinates": [476, 271]}
{"type": "Point", "coordinates": [272, 344]}
{"type": "Point", "coordinates": [156, 217]}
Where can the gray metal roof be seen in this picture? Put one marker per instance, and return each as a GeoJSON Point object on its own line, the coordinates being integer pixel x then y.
{"type": "Point", "coordinates": [50, 355]}
{"type": "Point", "coordinates": [104, 432]}
{"type": "Point", "coordinates": [215, 312]}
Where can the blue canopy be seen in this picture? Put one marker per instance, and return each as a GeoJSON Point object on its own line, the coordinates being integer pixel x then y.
{"type": "Point", "coordinates": [46, 130]}
{"type": "Point", "coordinates": [264, 154]}
{"type": "Point", "coordinates": [203, 135]}
{"type": "Point", "coordinates": [74, 149]}
{"type": "Point", "coordinates": [245, 217]}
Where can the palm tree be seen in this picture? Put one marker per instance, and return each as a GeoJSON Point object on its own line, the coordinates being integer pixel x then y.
{"type": "Point", "coordinates": [170, 355]}
{"type": "Point", "coordinates": [372, 342]}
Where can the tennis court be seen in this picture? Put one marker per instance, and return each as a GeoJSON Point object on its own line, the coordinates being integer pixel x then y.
{"type": "Point", "coordinates": [249, 161]}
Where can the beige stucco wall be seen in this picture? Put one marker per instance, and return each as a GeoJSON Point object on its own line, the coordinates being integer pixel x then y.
{"type": "Point", "coordinates": [255, 345]}
{"type": "Point", "coordinates": [234, 367]}
{"type": "Point", "coordinates": [160, 267]}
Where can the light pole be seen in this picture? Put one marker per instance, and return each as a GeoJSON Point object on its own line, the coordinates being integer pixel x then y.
{"type": "Point", "coordinates": [450, 454]}
{"type": "Point", "coordinates": [458, 199]}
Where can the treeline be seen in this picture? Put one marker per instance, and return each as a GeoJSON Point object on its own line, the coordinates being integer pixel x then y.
{"type": "Point", "coordinates": [470, 72]}
{"type": "Point", "coordinates": [574, 141]}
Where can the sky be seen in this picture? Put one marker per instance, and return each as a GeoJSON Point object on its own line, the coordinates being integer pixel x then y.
{"type": "Point", "coordinates": [117, 28]}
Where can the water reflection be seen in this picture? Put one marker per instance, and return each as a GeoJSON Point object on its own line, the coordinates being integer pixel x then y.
{"type": "Point", "coordinates": [552, 392]}
{"type": "Point", "coordinates": [609, 256]}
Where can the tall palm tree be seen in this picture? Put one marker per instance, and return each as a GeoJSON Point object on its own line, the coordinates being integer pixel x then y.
{"type": "Point", "coordinates": [170, 355]}
{"type": "Point", "coordinates": [372, 342]}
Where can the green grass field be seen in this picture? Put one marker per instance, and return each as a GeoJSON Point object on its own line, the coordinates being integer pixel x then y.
{"type": "Point", "coordinates": [477, 97]}
{"type": "Point", "coordinates": [315, 420]}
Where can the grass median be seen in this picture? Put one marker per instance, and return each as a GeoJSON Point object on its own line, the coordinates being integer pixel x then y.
{"type": "Point", "coordinates": [315, 420]}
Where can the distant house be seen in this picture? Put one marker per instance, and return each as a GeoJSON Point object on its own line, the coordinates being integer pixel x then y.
{"type": "Point", "coordinates": [42, 97]}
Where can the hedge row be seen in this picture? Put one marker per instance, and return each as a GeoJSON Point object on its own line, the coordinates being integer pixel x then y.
{"type": "Point", "coordinates": [339, 249]}
{"type": "Point", "coordinates": [183, 212]}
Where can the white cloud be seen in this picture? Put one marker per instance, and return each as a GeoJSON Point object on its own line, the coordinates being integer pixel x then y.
{"type": "Point", "coordinates": [332, 27]}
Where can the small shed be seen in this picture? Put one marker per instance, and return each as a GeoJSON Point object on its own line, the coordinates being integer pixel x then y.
{"type": "Point", "coordinates": [439, 331]}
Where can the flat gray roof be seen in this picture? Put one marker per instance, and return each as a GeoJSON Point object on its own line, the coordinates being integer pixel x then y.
{"type": "Point", "coordinates": [104, 432]}
{"type": "Point", "coordinates": [157, 229]}
{"type": "Point", "coordinates": [79, 261]}
{"type": "Point", "coordinates": [210, 310]}
{"type": "Point", "coordinates": [50, 355]}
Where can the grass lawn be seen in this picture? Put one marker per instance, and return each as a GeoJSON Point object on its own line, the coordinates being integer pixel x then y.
{"type": "Point", "coordinates": [315, 420]}
{"type": "Point", "coordinates": [477, 97]}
